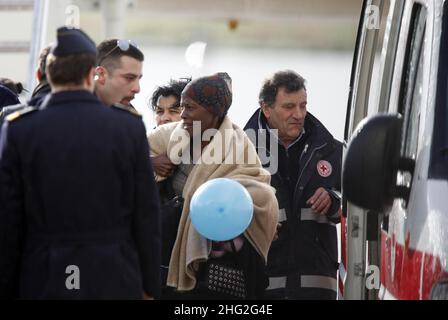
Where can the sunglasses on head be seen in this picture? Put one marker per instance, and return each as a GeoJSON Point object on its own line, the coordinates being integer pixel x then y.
{"type": "Point", "coordinates": [123, 45]}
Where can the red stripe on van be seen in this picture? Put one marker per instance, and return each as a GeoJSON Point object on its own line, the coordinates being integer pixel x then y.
{"type": "Point", "coordinates": [404, 282]}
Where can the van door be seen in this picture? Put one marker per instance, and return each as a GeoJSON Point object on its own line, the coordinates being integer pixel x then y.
{"type": "Point", "coordinates": [417, 238]}
{"type": "Point", "coordinates": [370, 85]}
{"type": "Point", "coordinates": [408, 96]}
{"type": "Point", "coordinates": [414, 250]}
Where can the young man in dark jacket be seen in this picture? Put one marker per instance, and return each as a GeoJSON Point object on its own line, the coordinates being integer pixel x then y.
{"type": "Point", "coordinates": [305, 162]}
{"type": "Point", "coordinates": [79, 208]}
{"type": "Point", "coordinates": [118, 72]}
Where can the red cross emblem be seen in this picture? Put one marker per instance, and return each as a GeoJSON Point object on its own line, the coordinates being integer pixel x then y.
{"type": "Point", "coordinates": [324, 168]}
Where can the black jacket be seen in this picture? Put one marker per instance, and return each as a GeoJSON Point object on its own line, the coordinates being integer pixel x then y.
{"type": "Point", "coordinates": [39, 94]}
{"type": "Point", "coordinates": [77, 189]}
{"type": "Point", "coordinates": [306, 249]}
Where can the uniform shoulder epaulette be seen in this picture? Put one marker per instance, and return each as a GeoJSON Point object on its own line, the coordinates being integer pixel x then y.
{"type": "Point", "coordinates": [20, 113]}
{"type": "Point", "coordinates": [131, 110]}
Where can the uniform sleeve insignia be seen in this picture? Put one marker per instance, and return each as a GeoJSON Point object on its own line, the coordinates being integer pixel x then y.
{"type": "Point", "coordinates": [324, 168]}
{"type": "Point", "coordinates": [20, 113]}
{"type": "Point", "coordinates": [128, 109]}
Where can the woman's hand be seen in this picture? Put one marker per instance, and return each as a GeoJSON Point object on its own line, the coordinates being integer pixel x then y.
{"type": "Point", "coordinates": [220, 248]}
{"type": "Point", "coordinates": [277, 231]}
{"type": "Point", "coordinates": [147, 296]}
{"type": "Point", "coordinates": [162, 165]}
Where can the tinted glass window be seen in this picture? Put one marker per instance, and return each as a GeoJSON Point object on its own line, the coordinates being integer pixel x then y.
{"type": "Point", "coordinates": [411, 95]}
{"type": "Point", "coordinates": [439, 151]}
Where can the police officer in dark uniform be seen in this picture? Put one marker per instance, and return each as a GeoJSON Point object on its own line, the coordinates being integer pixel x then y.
{"type": "Point", "coordinates": [79, 213]}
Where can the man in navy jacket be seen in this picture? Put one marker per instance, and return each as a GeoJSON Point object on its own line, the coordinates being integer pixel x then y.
{"type": "Point", "coordinates": [305, 163]}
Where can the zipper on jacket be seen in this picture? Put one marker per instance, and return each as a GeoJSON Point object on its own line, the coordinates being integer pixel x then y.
{"type": "Point", "coordinates": [306, 164]}
{"type": "Point", "coordinates": [303, 152]}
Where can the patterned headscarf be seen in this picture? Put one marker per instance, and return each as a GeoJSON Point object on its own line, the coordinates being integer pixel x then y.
{"type": "Point", "coordinates": [213, 93]}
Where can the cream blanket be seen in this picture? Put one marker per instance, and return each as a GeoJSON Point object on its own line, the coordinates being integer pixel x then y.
{"type": "Point", "coordinates": [234, 157]}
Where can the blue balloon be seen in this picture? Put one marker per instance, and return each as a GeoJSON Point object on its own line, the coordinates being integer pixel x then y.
{"type": "Point", "coordinates": [221, 209]}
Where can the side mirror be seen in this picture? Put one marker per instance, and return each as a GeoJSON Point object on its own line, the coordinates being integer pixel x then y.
{"type": "Point", "coordinates": [371, 162]}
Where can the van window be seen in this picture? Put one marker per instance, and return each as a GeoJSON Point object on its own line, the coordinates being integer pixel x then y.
{"type": "Point", "coordinates": [375, 85]}
{"type": "Point", "coordinates": [438, 168]}
{"type": "Point", "coordinates": [411, 94]}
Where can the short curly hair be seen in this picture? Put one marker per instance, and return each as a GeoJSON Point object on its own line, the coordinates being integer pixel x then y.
{"type": "Point", "coordinates": [288, 79]}
{"type": "Point", "coordinates": [173, 88]}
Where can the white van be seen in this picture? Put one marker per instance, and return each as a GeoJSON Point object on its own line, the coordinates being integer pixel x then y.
{"type": "Point", "coordinates": [395, 171]}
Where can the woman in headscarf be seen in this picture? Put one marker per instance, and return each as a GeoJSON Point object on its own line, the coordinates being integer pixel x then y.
{"type": "Point", "coordinates": [206, 145]}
